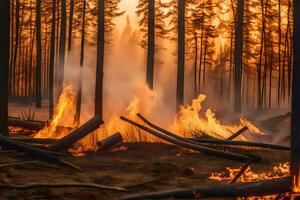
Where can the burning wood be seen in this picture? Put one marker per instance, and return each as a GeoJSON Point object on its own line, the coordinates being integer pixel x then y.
{"type": "Point", "coordinates": [110, 141]}
{"type": "Point", "coordinates": [37, 153]}
{"type": "Point", "coordinates": [185, 144]}
{"type": "Point", "coordinates": [28, 124]}
{"type": "Point", "coordinates": [239, 132]}
{"type": "Point", "coordinates": [67, 141]}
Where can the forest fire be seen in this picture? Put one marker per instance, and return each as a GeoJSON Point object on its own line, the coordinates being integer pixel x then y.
{"type": "Point", "coordinates": [150, 99]}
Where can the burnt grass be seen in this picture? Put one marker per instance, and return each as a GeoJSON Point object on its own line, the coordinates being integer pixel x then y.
{"type": "Point", "coordinates": [142, 167]}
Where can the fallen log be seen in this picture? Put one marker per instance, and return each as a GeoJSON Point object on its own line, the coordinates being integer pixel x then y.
{"type": "Point", "coordinates": [240, 143]}
{"type": "Point", "coordinates": [59, 185]}
{"type": "Point", "coordinates": [110, 141]}
{"type": "Point", "coordinates": [261, 188]}
{"type": "Point", "coordinates": [203, 149]}
{"type": "Point", "coordinates": [238, 133]}
{"type": "Point", "coordinates": [34, 140]}
{"type": "Point", "coordinates": [37, 153]}
{"type": "Point", "coordinates": [33, 125]}
{"type": "Point", "coordinates": [67, 141]}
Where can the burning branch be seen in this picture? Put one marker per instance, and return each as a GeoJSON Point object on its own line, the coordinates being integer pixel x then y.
{"type": "Point", "coordinates": [188, 145]}
{"type": "Point", "coordinates": [67, 141]}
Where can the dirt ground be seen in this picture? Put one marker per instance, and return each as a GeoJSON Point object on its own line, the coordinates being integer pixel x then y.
{"type": "Point", "coordinates": [156, 166]}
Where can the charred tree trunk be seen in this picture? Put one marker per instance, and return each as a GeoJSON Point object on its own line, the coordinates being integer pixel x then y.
{"type": "Point", "coordinates": [17, 28]}
{"type": "Point", "coordinates": [195, 66]}
{"type": "Point", "coordinates": [4, 64]}
{"type": "Point", "coordinates": [100, 59]}
{"type": "Point", "coordinates": [62, 46]}
{"type": "Point", "coordinates": [181, 54]}
{"type": "Point", "coordinates": [52, 56]}
{"type": "Point", "coordinates": [151, 44]}
{"type": "Point", "coordinates": [38, 72]}
{"type": "Point", "coordinates": [71, 25]}
{"type": "Point", "coordinates": [79, 92]}
{"type": "Point", "coordinates": [238, 56]}
{"type": "Point", "coordinates": [295, 126]}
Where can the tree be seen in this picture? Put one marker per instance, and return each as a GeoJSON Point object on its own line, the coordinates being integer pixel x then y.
{"type": "Point", "coordinates": [152, 25]}
{"type": "Point", "coordinates": [100, 59]}
{"type": "Point", "coordinates": [38, 72]}
{"type": "Point", "coordinates": [295, 125]}
{"type": "Point", "coordinates": [52, 56]}
{"type": "Point", "coordinates": [4, 64]}
{"type": "Point", "coordinates": [62, 46]}
{"type": "Point", "coordinates": [238, 57]}
{"type": "Point", "coordinates": [181, 54]}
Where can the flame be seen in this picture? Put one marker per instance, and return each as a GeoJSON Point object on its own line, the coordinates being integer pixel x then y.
{"type": "Point", "coordinates": [192, 122]}
{"type": "Point", "coordinates": [279, 171]}
{"type": "Point", "coordinates": [63, 112]}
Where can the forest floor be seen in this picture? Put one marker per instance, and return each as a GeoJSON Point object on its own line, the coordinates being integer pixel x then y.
{"type": "Point", "coordinates": [157, 166]}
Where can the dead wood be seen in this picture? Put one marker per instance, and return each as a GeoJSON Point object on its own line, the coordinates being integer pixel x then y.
{"type": "Point", "coordinates": [33, 125]}
{"type": "Point", "coordinates": [239, 132]}
{"type": "Point", "coordinates": [241, 172]}
{"type": "Point", "coordinates": [196, 147]}
{"type": "Point", "coordinates": [260, 188]}
{"type": "Point", "coordinates": [35, 152]}
{"type": "Point", "coordinates": [59, 185]}
{"type": "Point", "coordinates": [67, 141]}
{"type": "Point", "coordinates": [34, 140]}
{"type": "Point", "coordinates": [240, 143]}
{"type": "Point", "coordinates": [110, 141]}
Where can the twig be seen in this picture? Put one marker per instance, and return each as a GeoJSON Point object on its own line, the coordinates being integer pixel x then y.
{"type": "Point", "coordinates": [59, 185]}
{"type": "Point", "coordinates": [17, 163]}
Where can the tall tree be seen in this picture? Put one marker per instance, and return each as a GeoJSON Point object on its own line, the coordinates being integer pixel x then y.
{"type": "Point", "coordinates": [180, 54]}
{"type": "Point", "coordinates": [4, 64]}
{"type": "Point", "coordinates": [238, 57]}
{"type": "Point", "coordinates": [62, 46]}
{"type": "Point", "coordinates": [295, 125]}
{"type": "Point", "coordinates": [38, 72]}
{"type": "Point", "coordinates": [52, 57]}
{"type": "Point", "coordinates": [100, 59]}
{"type": "Point", "coordinates": [71, 25]}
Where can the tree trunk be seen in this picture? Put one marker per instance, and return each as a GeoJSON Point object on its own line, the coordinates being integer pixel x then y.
{"type": "Point", "coordinates": [71, 25]}
{"type": "Point", "coordinates": [181, 54]}
{"type": "Point", "coordinates": [52, 56]}
{"type": "Point", "coordinates": [100, 59]}
{"type": "Point", "coordinates": [295, 125]}
{"type": "Point", "coordinates": [151, 44]}
{"type": "Point", "coordinates": [62, 46]}
{"type": "Point", "coordinates": [79, 92]}
{"type": "Point", "coordinates": [238, 56]}
{"type": "Point", "coordinates": [38, 72]}
{"type": "Point", "coordinates": [4, 64]}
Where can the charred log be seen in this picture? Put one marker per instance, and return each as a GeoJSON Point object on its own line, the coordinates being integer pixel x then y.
{"type": "Point", "coordinates": [36, 153]}
{"type": "Point", "coordinates": [110, 141]}
{"type": "Point", "coordinates": [261, 188]}
{"type": "Point", "coordinates": [67, 141]}
{"type": "Point", "coordinates": [184, 144]}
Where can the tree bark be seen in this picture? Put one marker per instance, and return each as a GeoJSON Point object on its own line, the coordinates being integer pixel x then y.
{"type": "Point", "coordinates": [38, 72]}
{"type": "Point", "coordinates": [295, 125]}
{"type": "Point", "coordinates": [180, 54]}
{"type": "Point", "coordinates": [238, 57]}
{"type": "Point", "coordinates": [100, 59]}
{"type": "Point", "coordinates": [4, 64]}
{"type": "Point", "coordinates": [151, 44]}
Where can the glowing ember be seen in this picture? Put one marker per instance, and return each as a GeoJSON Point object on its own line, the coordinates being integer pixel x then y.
{"type": "Point", "coordinates": [282, 170]}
